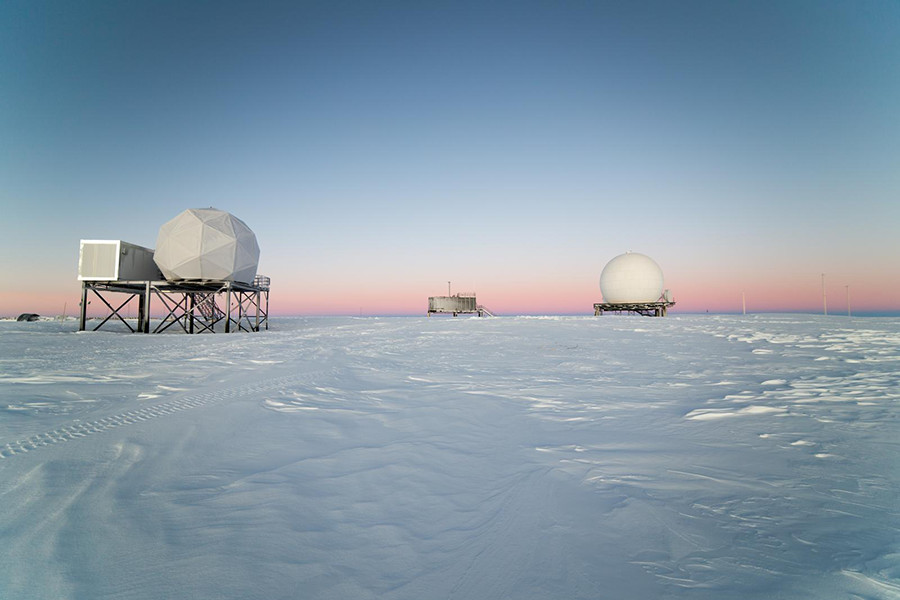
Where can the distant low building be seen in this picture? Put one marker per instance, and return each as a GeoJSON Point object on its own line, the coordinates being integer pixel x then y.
{"type": "Point", "coordinates": [457, 304]}
{"type": "Point", "coordinates": [28, 317]}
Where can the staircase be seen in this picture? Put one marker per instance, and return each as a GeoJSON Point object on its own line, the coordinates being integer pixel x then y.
{"type": "Point", "coordinates": [206, 305]}
{"type": "Point", "coordinates": [483, 310]}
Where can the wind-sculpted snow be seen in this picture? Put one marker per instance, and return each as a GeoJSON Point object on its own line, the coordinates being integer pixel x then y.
{"type": "Point", "coordinates": [612, 457]}
{"type": "Point", "coordinates": [81, 428]}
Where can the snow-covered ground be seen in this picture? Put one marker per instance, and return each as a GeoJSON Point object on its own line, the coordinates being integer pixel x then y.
{"type": "Point", "coordinates": [546, 458]}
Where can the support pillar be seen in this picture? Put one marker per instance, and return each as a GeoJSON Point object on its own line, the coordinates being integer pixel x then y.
{"type": "Point", "coordinates": [145, 326]}
{"type": "Point", "coordinates": [140, 315]}
{"type": "Point", "coordinates": [258, 301]}
{"type": "Point", "coordinates": [241, 296]}
{"type": "Point", "coordinates": [228, 309]}
{"type": "Point", "coordinates": [83, 317]}
{"type": "Point", "coordinates": [192, 305]}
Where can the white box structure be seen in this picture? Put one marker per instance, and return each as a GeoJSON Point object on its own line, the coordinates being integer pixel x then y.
{"type": "Point", "coordinates": [115, 260]}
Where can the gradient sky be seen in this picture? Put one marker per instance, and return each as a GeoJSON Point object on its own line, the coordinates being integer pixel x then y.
{"type": "Point", "coordinates": [380, 149]}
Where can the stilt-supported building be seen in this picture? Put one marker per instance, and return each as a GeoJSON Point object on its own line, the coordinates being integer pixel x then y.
{"type": "Point", "coordinates": [202, 276]}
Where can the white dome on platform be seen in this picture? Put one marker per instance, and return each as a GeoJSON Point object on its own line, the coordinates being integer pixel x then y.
{"type": "Point", "coordinates": [631, 277]}
{"type": "Point", "coordinates": [207, 244]}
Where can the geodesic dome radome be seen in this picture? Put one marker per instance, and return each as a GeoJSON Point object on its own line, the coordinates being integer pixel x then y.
{"type": "Point", "coordinates": [206, 244]}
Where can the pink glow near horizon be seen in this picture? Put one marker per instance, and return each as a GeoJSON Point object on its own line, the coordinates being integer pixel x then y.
{"type": "Point", "coordinates": [692, 294]}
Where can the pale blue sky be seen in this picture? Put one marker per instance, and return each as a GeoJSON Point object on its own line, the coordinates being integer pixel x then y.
{"type": "Point", "coordinates": [378, 146]}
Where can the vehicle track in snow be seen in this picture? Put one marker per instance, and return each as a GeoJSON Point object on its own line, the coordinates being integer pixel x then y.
{"type": "Point", "coordinates": [79, 429]}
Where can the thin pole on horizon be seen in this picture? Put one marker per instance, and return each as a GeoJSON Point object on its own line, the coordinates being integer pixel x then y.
{"type": "Point", "coordinates": [744, 302]}
{"type": "Point", "coordinates": [448, 289]}
{"type": "Point", "coordinates": [848, 299]}
{"type": "Point", "coordinates": [824, 299]}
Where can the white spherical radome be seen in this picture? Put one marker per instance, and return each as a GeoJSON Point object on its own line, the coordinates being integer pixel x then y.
{"type": "Point", "coordinates": [206, 244]}
{"type": "Point", "coordinates": [631, 277]}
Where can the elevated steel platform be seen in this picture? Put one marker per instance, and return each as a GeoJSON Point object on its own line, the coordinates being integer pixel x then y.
{"type": "Point", "coordinates": [192, 306]}
{"type": "Point", "coordinates": [646, 309]}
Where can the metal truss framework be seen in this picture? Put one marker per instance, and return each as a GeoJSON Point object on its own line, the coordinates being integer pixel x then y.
{"type": "Point", "coordinates": [195, 307]}
{"type": "Point", "coordinates": [646, 309]}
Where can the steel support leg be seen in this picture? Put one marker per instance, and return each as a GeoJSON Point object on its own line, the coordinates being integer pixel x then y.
{"type": "Point", "coordinates": [228, 309]}
{"type": "Point", "coordinates": [258, 300]}
{"type": "Point", "coordinates": [140, 323]}
{"type": "Point", "coordinates": [145, 326]}
{"type": "Point", "coordinates": [83, 318]}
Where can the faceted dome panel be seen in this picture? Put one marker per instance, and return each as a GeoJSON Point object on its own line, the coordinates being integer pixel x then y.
{"type": "Point", "coordinates": [207, 244]}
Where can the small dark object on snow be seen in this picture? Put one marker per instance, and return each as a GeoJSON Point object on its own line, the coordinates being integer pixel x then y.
{"type": "Point", "coordinates": [28, 317]}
